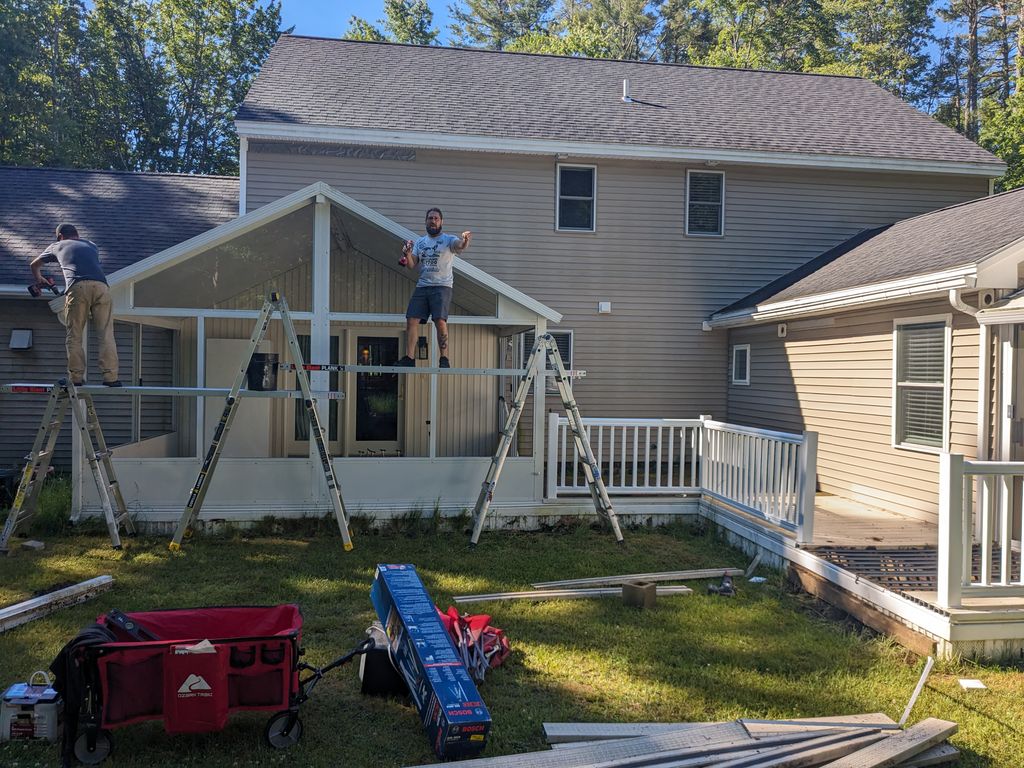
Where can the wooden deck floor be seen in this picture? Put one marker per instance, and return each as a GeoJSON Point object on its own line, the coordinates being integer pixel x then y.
{"type": "Point", "coordinates": [841, 522]}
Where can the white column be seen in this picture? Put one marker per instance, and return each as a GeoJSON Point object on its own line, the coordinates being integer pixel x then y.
{"type": "Point", "coordinates": [200, 382]}
{"type": "Point", "coordinates": [809, 482]}
{"type": "Point", "coordinates": [539, 387]}
{"type": "Point", "coordinates": [243, 158]}
{"type": "Point", "coordinates": [552, 491]}
{"type": "Point", "coordinates": [951, 530]}
{"type": "Point", "coordinates": [320, 325]}
{"type": "Point", "coordinates": [983, 393]}
{"type": "Point", "coordinates": [435, 356]}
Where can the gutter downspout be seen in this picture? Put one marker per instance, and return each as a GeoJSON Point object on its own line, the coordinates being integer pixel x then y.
{"type": "Point", "coordinates": [984, 363]}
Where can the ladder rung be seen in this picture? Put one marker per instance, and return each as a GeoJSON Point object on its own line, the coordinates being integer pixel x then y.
{"type": "Point", "coordinates": [100, 455]}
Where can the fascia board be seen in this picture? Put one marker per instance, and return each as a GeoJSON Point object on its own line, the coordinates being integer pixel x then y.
{"type": "Point", "coordinates": [254, 129]}
{"type": "Point", "coordinates": [851, 298]}
{"type": "Point", "coordinates": [461, 266]}
{"type": "Point", "coordinates": [213, 237]}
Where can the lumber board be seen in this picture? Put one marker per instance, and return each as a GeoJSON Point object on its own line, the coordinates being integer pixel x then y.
{"type": "Point", "coordinates": [556, 733]}
{"type": "Point", "coordinates": [24, 612]}
{"type": "Point", "coordinates": [940, 754]}
{"type": "Point", "coordinates": [562, 594]}
{"type": "Point", "coordinates": [900, 746]}
{"type": "Point", "coordinates": [864, 613]}
{"type": "Point", "coordinates": [596, 581]}
{"type": "Point", "coordinates": [704, 738]}
{"type": "Point", "coordinates": [809, 753]}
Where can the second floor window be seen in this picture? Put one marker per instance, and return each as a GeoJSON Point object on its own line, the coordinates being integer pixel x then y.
{"type": "Point", "coordinates": [577, 198]}
{"type": "Point", "coordinates": [705, 203]}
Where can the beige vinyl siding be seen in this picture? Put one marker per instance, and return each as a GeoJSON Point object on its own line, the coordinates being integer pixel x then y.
{"type": "Point", "coordinates": [834, 376]}
{"type": "Point", "coordinates": [662, 284]}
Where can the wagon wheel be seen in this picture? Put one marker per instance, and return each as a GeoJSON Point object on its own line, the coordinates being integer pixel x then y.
{"type": "Point", "coordinates": [276, 727]}
{"type": "Point", "coordinates": [104, 746]}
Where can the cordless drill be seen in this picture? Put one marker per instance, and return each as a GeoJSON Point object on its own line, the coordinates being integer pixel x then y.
{"type": "Point", "coordinates": [48, 283]}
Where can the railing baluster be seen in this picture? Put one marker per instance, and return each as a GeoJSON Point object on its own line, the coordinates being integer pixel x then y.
{"type": "Point", "coordinates": [772, 484]}
{"type": "Point", "coordinates": [622, 459]}
{"type": "Point", "coordinates": [671, 456]}
{"type": "Point", "coordinates": [647, 457]}
{"type": "Point", "coordinates": [967, 550]}
{"type": "Point", "coordinates": [611, 456]}
{"type": "Point", "coordinates": [565, 456]}
{"type": "Point", "coordinates": [636, 454]}
{"type": "Point", "coordinates": [657, 468]}
{"type": "Point", "coordinates": [984, 511]}
{"type": "Point", "coordinates": [1005, 530]}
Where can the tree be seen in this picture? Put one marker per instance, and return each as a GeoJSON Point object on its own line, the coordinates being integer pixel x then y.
{"type": "Point", "coordinates": [970, 13]}
{"type": "Point", "coordinates": [405, 21]}
{"type": "Point", "coordinates": [495, 24]}
{"type": "Point", "coordinates": [1002, 133]}
{"type": "Point", "coordinates": [210, 53]}
{"type": "Point", "coordinates": [996, 44]}
{"type": "Point", "coordinates": [883, 40]}
{"type": "Point", "coordinates": [574, 35]}
{"type": "Point", "coordinates": [21, 74]}
{"type": "Point", "coordinates": [687, 33]}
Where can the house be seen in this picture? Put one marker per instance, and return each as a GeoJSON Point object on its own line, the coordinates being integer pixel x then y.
{"type": "Point", "coordinates": [660, 221]}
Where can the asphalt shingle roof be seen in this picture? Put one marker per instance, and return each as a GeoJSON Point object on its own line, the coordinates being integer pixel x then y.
{"type": "Point", "coordinates": [349, 84]}
{"type": "Point", "coordinates": [951, 237]}
{"type": "Point", "coordinates": [128, 215]}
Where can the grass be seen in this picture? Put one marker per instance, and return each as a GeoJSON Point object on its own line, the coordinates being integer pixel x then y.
{"type": "Point", "coordinates": [767, 653]}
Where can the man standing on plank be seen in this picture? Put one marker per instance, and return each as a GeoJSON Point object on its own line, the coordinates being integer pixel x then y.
{"type": "Point", "coordinates": [435, 254]}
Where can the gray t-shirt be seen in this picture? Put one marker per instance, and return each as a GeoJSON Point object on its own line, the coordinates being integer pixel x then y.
{"type": "Point", "coordinates": [435, 256]}
{"type": "Point", "coordinates": [78, 259]}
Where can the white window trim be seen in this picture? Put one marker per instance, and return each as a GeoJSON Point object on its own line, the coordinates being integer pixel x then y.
{"type": "Point", "coordinates": [690, 172]}
{"type": "Point", "coordinates": [558, 197]}
{"type": "Point", "coordinates": [947, 319]}
{"type": "Point", "coordinates": [744, 382]}
{"type": "Point", "coordinates": [551, 386]}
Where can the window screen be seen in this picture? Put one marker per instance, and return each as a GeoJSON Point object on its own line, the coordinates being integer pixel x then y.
{"type": "Point", "coordinates": [920, 384]}
{"type": "Point", "coordinates": [705, 203]}
{"type": "Point", "coordinates": [576, 193]}
{"type": "Point", "coordinates": [564, 341]}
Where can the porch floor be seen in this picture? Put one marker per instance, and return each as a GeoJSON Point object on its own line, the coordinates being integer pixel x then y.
{"type": "Point", "coordinates": [840, 522]}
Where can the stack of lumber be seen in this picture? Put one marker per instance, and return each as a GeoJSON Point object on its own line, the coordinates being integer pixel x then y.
{"type": "Point", "coordinates": [854, 741]}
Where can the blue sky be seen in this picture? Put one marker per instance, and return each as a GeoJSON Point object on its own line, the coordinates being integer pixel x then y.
{"type": "Point", "coordinates": [329, 18]}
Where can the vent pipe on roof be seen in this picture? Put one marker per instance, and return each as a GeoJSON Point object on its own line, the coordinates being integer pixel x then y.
{"type": "Point", "coordinates": [625, 91]}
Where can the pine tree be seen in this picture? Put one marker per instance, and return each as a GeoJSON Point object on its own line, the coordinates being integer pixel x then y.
{"type": "Point", "coordinates": [405, 21]}
{"type": "Point", "coordinates": [495, 24]}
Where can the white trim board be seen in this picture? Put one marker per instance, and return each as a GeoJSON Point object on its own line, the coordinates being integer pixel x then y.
{"type": "Point", "coordinates": [257, 129]}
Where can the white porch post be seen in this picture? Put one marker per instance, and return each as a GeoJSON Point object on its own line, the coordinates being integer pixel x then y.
{"type": "Point", "coordinates": [320, 324]}
{"type": "Point", "coordinates": [435, 356]}
{"type": "Point", "coordinates": [552, 491]}
{"type": "Point", "coordinates": [951, 530]}
{"type": "Point", "coordinates": [539, 388]}
{"type": "Point", "coordinates": [808, 487]}
{"type": "Point", "coordinates": [200, 382]}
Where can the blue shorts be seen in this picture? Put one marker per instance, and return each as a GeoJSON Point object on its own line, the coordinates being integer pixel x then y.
{"type": "Point", "coordinates": [429, 301]}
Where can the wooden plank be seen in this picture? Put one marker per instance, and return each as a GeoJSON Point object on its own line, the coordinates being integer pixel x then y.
{"type": "Point", "coordinates": [864, 613]}
{"type": "Point", "coordinates": [563, 594]}
{"type": "Point", "coordinates": [704, 738]}
{"type": "Point", "coordinates": [24, 612]}
{"type": "Point", "coordinates": [704, 573]}
{"type": "Point", "coordinates": [900, 746]}
{"type": "Point", "coordinates": [558, 733]}
{"type": "Point", "coordinates": [940, 754]}
{"type": "Point", "coordinates": [809, 753]}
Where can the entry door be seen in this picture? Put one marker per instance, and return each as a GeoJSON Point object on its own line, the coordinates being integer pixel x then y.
{"type": "Point", "coordinates": [374, 406]}
{"type": "Point", "coordinates": [297, 421]}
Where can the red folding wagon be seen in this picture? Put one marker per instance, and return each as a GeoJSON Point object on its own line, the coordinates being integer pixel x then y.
{"type": "Point", "coordinates": [190, 668]}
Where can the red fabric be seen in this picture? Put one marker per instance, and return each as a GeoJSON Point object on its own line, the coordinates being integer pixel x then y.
{"type": "Point", "coordinates": [255, 667]}
{"type": "Point", "coordinates": [493, 640]}
{"type": "Point", "coordinates": [195, 690]}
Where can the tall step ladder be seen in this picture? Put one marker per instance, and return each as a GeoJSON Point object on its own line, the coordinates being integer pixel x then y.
{"type": "Point", "coordinates": [546, 349]}
{"type": "Point", "coordinates": [64, 396]}
{"type": "Point", "coordinates": [275, 302]}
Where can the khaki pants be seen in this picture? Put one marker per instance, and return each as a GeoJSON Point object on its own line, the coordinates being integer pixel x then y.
{"type": "Point", "coordinates": [85, 298]}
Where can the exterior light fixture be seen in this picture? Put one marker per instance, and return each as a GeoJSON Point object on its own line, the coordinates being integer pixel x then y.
{"type": "Point", "coordinates": [422, 350]}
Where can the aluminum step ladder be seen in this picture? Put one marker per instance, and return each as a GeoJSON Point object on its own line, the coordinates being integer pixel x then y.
{"type": "Point", "coordinates": [64, 396]}
{"type": "Point", "coordinates": [546, 349]}
{"type": "Point", "coordinates": [275, 302]}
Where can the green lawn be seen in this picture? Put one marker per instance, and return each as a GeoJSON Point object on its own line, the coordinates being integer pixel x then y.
{"type": "Point", "coordinates": [767, 653]}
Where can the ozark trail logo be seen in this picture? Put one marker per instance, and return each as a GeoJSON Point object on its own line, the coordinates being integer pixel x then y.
{"type": "Point", "coordinates": [194, 685]}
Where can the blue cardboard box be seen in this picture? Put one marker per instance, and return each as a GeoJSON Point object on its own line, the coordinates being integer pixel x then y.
{"type": "Point", "coordinates": [450, 707]}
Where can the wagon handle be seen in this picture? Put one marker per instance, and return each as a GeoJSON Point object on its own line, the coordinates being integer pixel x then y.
{"type": "Point", "coordinates": [307, 684]}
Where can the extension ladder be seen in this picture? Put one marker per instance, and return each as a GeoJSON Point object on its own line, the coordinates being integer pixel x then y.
{"type": "Point", "coordinates": [546, 349]}
{"type": "Point", "coordinates": [64, 396]}
{"type": "Point", "coordinates": [195, 501]}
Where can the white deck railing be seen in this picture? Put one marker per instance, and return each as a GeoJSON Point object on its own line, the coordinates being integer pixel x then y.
{"type": "Point", "coordinates": [767, 474]}
{"type": "Point", "coordinates": [771, 475]}
{"type": "Point", "coordinates": [978, 523]}
{"type": "Point", "coordinates": [637, 456]}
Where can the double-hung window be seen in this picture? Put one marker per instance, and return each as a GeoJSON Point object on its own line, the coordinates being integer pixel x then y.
{"type": "Point", "coordinates": [705, 203]}
{"type": "Point", "coordinates": [921, 382]}
{"type": "Point", "coordinates": [740, 364]}
{"type": "Point", "coordinates": [576, 198]}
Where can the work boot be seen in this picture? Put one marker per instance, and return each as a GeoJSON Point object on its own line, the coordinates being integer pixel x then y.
{"type": "Point", "coordinates": [406, 362]}
{"type": "Point", "coordinates": [443, 363]}
{"type": "Point", "coordinates": [114, 383]}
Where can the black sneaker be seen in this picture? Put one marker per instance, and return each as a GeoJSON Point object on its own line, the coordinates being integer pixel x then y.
{"type": "Point", "coordinates": [406, 362]}
{"type": "Point", "coordinates": [443, 363]}
{"type": "Point", "coordinates": [114, 383]}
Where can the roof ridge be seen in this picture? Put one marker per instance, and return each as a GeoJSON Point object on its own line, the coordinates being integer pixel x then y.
{"type": "Point", "coordinates": [115, 171]}
{"type": "Point", "coordinates": [524, 54]}
{"type": "Point", "coordinates": [964, 204]}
